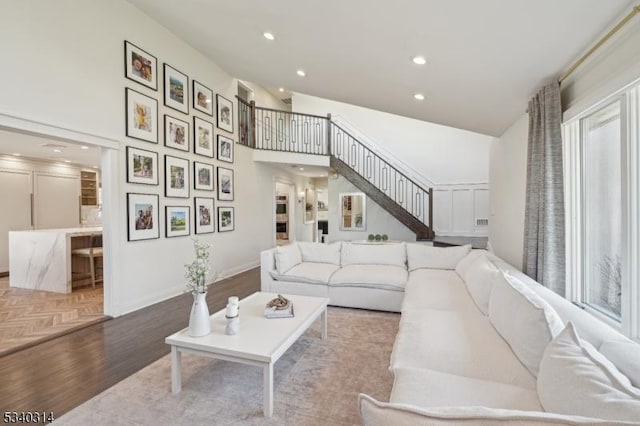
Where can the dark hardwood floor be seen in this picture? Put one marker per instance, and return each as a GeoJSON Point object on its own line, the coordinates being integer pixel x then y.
{"type": "Point", "coordinates": [62, 373]}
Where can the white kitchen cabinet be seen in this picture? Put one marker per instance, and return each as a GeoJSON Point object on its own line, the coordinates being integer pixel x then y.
{"type": "Point", "coordinates": [36, 195]}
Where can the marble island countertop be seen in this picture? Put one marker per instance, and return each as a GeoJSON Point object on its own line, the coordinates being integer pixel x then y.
{"type": "Point", "coordinates": [67, 231]}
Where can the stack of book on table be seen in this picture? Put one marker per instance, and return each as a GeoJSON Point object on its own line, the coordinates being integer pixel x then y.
{"type": "Point", "coordinates": [280, 307]}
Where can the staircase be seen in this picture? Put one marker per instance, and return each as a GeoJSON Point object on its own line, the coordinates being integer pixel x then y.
{"type": "Point", "coordinates": [393, 190]}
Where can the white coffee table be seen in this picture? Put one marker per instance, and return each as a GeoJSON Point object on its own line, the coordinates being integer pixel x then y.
{"type": "Point", "coordinates": [260, 341]}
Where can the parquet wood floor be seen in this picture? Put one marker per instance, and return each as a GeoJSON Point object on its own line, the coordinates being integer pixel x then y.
{"type": "Point", "coordinates": [29, 316]}
{"type": "Point", "coordinates": [62, 373]}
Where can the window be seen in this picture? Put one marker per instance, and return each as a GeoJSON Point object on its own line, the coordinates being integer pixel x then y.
{"type": "Point", "coordinates": [601, 148]}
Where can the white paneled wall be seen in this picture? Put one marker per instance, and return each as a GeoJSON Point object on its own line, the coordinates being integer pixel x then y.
{"type": "Point", "coordinates": [457, 209]}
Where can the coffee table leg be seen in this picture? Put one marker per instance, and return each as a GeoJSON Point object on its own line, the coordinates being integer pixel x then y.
{"type": "Point", "coordinates": [176, 370]}
{"type": "Point", "coordinates": [268, 390]}
{"type": "Point", "coordinates": [323, 320]}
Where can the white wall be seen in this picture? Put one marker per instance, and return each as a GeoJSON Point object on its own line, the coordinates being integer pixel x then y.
{"type": "Point", "coordinates": [379, 221]}
{"type": "Point", "coordinates": [65, 68]}
{"type": "Point", "coordinates": [444, 155]}
{"type": "Point", "coordinates": [264, 98]}
{"type": "Point", "coordinates": [508, 180]}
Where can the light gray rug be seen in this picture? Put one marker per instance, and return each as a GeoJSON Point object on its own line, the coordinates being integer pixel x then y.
{"type": "Point", "coordinates": [316, 382]}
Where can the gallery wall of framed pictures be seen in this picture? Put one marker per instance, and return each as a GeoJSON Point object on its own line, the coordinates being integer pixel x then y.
{"type": "Point", "coordinates": [181, 113]}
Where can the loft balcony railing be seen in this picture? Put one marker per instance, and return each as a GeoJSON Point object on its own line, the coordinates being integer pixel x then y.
{"type": "Point", "coordinates": [285, 131]}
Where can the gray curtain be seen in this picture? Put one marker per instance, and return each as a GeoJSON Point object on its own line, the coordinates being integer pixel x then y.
{"type": "Point", "coordinates": [544, 215]}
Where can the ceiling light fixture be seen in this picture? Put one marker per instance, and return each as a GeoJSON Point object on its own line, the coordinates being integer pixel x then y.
{"type": "Point", "coordinates": [419, 60]}
{"type": "Point", "coordinates": [17, 154]}
{"type": "Point", "coordinates": [269, 36]}
{"type": "Point", "coordinates": [301, 73]}
{"type": "Point", "coordinates": [281, 90]}
{"type": "Point", "coordinates": [57, 150]}
{"type": "Point", "coordinates": [301, 169]}
{"type": "Point", "coordinates": [67, 161]}
{"type": "Point", "coordinates": [84, 147]}
{"type": "Point", "coordinates": [419, 96]}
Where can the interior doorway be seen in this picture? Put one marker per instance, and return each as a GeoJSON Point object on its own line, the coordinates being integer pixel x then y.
{"type": "Point", "coordinates": [284, 217]}
{"type": "Point", "coordinates": [56, 185]}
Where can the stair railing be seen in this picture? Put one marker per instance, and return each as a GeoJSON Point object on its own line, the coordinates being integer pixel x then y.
{"type": "Point", "coordinates": [285, 131]}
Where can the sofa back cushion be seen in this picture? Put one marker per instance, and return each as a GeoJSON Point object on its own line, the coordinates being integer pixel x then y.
{"type": "Point", "coordinates": [422, 256]}
{"type": "Point", "coordinates": [467, 261]}
{"type": "Point", "coordinates": [525, 321]}
{"type": "Point", "coordinates": [479, 279]}
{"type": "Point", "coordinates": [320, 253]}
{"type": "Point", "coordinates": [625, 355]}
{"type": "Point", "coordinates": [374, 254]}
{"type": "Point", "coordinates": [576, 379]}
{"type": "Point", "coordinates": [287, 257]}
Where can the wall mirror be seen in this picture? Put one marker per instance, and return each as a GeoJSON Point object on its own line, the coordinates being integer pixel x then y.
{"type": "Point", "coordinates": [353, 211]}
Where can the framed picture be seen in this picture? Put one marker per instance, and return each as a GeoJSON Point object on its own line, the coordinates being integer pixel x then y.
{"type": "Point", "coordinates": [178, 221]}
{"type": "Point", "coordinates": [142, 166]}
{"type": "Point", "coordinates": [142, 116]}
{"type": "Point", "coordinates": [176, 133]}
{"type": "Point", "coordinates": [203, 176]}
{"type": "Point", "coordinates": [176, 177]}
{"type": "Point", "coordinates": [225, 149]}
{"type": "Point", "coordinates": [176, 89]}
{"type": "Point", "coordinates": [225, 113]}
{"type": "Point", "coordinates": [202, 98]}
{"type": "Point", "coordinates": [202, 137]}
{"type": "Point", "coordinates": [140, 66]}
{"type": "Point", "coordinates": [225, 184]}
{"type": "Point", "coordinates": [226, 219]}
{"type": "Point", "coordinates": [142, 217]}
{"type": "Point", "coordinates": [309, 201]}
{"type": "Point", "coordinates": [203, 215]}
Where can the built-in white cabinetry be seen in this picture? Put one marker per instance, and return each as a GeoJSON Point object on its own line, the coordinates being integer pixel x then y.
{"type": "Point", "coordinates": [36, 195]}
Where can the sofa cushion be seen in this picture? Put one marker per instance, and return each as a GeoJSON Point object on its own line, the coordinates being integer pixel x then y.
{"type": "Point", "coordinates": [374, 254]}
{"type": "Point", "coordinates": [523, 319]}
{"type": "Point", "coordinates": [308, 272]}
{"type": "Point", "coordinates": [386, 277]}
{"type": "Point", "coordinates": [374, 413]}
{"type": "Point", "coordinates": [463, 343]}
{"type": "Point", "coordinates": [320, 253]}
{"type": "Point", "coordinates": [576, 379]}
{"type": "Point", "coordinates": [430, 388]}
{"type": "Point", "coordinates": [625, 355]}
{"type": "Point", "coordinates": [424, 256]}
{"type": "Point", "coordinates": [435, 289]}
{"type": "Point", "coordinates": [287, 257]}
{"type": "Point", "coordinates": [465, 262]}
{"type": "Point", "coordinates": [479, 279]}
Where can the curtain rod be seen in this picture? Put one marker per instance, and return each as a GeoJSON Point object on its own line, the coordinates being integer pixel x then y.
{"type": "Point", "coordinates": [622, 23]}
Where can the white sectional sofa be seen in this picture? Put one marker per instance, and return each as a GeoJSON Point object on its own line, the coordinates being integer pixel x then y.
{"type": "Point", "coordinates": [478, 343]}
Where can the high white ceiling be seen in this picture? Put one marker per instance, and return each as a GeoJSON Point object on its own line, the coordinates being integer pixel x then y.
{"type": "Point", "coordinates": [485, 58]}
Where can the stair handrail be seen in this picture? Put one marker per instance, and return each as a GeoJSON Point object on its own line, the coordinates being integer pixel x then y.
{"type": "Point", "coordinates": [375, 146]}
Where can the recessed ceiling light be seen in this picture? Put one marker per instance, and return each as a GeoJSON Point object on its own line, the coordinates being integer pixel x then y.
{"type": "Point", "coordinates": [301, 73]}
{"type": "Point", "coordinates": [269, 36]}
{"type": "Point", "coordinates": [17, 154]}
{"type": "Point", "coordinates": [84, 147]}
{"type": "Point", "coordinates": [208, 101]}
{"type": "Point", "coordinates": [95, 167]}
{"type": "Point", "coordinates": [57, 150]}
{"type": "Point", "coordinates": [419, 96]}
{"type": "Point", "coordinates": [281, 89]}
{"type": "Point", "coordinates": [419, 60]}
{"type": "Point", "coordinates": [67, 161]}
{"type": "Point", "coordinates": [301, 168]}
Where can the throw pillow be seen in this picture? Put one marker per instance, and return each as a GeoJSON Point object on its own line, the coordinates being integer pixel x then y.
{"type": "Point", "coordinates": [429, 257]}
{"type": "Point", "coordinates": [463, 266]}
{"type": "Point", "coordinates": [525, 320]}
{"type": "Point", "coordinates": [320, 253]}
{"type": "Point", "coordinates": [479, 279]}
{"type": "Point", "coordinates": [287, 257]}
{"type": "Point", "coordinates": [576, 379]}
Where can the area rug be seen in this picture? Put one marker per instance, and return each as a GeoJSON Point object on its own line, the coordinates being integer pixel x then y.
{"type": "Point", "coordinates": [316, 382]}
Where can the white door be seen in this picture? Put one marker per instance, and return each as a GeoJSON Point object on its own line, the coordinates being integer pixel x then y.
{"type": "Point", "coordinates": [15, 214]}
{"type": "Point", "coordinates": [57, 201]}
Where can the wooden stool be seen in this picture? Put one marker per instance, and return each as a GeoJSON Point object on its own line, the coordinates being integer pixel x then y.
{"type": "Point", "coordinates": [93, 252]}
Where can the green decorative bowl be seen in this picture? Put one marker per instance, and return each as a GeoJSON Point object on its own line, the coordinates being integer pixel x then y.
{"type": "Point", "coordinates": [385, 237]}
{"type": "Point", "coordinates": [370, 237]}
{"type": "Point", "coordinates": [378, 237]}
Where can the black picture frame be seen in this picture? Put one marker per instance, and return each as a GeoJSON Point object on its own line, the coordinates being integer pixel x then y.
{"type": "Point", "coordinates": [177, 221]}
{"type": "Point", "coordinates": [141, 116]}
{"type": "Point", "coordinates": [201, 173]}
{"type": "Point", "coordinates": [202, 98]}
{"type": "Point", "coordinates": [225, 148]}
{"type": "Point", "coordinates": [176, 133]}
{"type": "Point", "coordinates": [226, 219]}
{"type": "Point", "coordinates": [140, 66]}
{"type": "Point", "coordinates": [225, 181]}
{"type": "Point", "coordinates": [203, 137]}
{"type": "Point", "coordinates": [176, 89]}
{"type": "Point", "coordinates": [203, 215]}
{"type": "Point", "coordinates": [142, 217]}
{"type": "Point", "coordinates": [224, 113]}
{"type": "Point", "coordinates": [142, 166]}
{"type": "Point", "coordinates": [176, 177]}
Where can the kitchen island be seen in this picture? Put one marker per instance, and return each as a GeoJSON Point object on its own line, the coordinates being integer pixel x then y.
{"type": "Point", "coordinates": [41, 259]}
